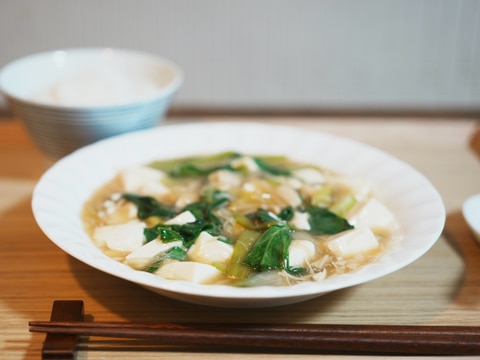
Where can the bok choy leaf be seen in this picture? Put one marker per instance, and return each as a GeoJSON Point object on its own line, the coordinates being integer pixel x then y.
{"type": "Point", "coordinates": [270, 251]}
{"type": "Point", "coordinates": [148, 206]}
{"type": "Point", "coordinates": [324, 222]}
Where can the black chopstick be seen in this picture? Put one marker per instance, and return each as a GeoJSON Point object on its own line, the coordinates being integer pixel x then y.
{"type": "Point", "coordinates": [316, 338]}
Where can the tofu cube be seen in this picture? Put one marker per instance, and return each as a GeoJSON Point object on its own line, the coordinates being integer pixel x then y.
{"type": "Point", "coordinates": [190, 271]}
{"type": "Point", "coordinates": [143, 180]}
{"type": "Point", "coordinates": [361, 187]}
{"type": "Point", "coordinates": [207, 249]}
{"type": "Point", "coordinates": [181, 219]}
{"type": "Point", "coordinates": [300, 252]}
{"type": "Point", "coordinates": [245, 163]}
{"type": "Point", "coordinates": [142, 256]}
{"type": "Point", "coordinates": [289, 195]}
{"type": "Point", "coordinates": [309, 175]}
{"type": "Point", "coordinates": [374, 215]}
{"type": "Point", "coordinates": [225, 180]}
{"type": "Point", "coordinates": [121, 237]}
{"type": "Point", "coordinates": [353, 242]}
{"type": "Point", "coordinates": [300, 221]}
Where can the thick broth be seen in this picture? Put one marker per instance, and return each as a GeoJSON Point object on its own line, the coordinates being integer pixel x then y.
{"type": "Point", "coordinates": [273, 189]}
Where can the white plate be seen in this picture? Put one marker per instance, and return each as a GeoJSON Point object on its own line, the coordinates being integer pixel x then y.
{"type": "Point", "coordinates": [61, 192]}
{"type": "Point", "coordinates": [471, 213]}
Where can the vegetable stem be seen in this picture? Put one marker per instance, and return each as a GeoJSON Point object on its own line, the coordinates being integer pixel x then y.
{"type": "Point", "coordinates": [236, 269]}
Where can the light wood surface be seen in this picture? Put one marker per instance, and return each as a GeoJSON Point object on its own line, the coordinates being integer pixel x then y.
{"type": "Point", "coordinates": [441, 288]}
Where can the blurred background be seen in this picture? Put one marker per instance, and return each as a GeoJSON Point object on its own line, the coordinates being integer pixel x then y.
{"type": "Point", "coordinates": [254, 56]}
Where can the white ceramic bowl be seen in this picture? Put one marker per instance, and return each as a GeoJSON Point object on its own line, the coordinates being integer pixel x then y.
{"type": "Point", "coordinates": [73, 97]}
{"type": "Point", "coordinates": [61, 192]}
{"type": "Point", "coordinates": [471, 213]}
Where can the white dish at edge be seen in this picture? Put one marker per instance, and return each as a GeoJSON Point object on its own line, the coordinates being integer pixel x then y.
{"type": "Point", "coordinates": [59, 196]}
{"type": "Point", "coordinates": [471, 213]}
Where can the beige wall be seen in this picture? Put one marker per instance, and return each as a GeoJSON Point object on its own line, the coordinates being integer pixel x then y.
{"type": "Point", "coordinates": [276, 53]}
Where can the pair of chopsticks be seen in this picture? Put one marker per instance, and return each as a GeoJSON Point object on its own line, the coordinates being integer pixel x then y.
{"type": "Point", "coordinates": [300, 338]}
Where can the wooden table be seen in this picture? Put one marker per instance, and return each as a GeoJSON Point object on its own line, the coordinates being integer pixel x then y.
{"type": "Point", "coordinates": [443, 287]}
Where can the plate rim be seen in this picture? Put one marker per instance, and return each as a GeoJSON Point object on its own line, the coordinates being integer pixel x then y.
{"type": "Point", "coordinates": [259, 294]}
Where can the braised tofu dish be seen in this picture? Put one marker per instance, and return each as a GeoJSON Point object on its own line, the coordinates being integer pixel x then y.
{"type": "Point", "coordinates": [239, 220]}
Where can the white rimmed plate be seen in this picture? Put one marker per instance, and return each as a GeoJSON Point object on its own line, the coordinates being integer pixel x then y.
{"type": "Point", "coordinates": [471, 213]}
{"type": "Point", "coordinates": [61, 192]}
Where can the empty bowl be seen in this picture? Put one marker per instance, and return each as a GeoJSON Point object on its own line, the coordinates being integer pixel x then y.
{"type": "Point", "coordinates": [73, 97]}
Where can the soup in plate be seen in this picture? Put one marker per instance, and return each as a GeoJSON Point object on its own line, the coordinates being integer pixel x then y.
{"type": "Point", "coordinates": [240, 220]}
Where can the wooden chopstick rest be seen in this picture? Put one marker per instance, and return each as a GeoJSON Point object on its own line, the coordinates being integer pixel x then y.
{"type": "Point", "coordinates": [63, 346]}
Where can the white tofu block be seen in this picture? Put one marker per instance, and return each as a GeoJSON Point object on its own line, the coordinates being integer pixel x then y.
{"type": "Point", "coordinates": [294, 183]}
{"type": "Point", "coordinates": [122, 237]}
{"type": "Point", "coordinates": [225, 180]}
{"type": "Point", "coordinates": [361, 187]}
{"type": "Point", "coordinates": [374, 215]}
{"type": "Point", "coordinates": [353, 242]}
{"type": "Point", "coordinates": [289, 195]}
{"type": "Point", "coordinates": [207, 249]}
{"type": "Point", "coordinates": [181, 219]}
{"type": "Point", "coordinates": [300, 252]}
{"type": "Point", "coordinates": [142, 256]}
{"type": "Point", "coordinates": [143, 180]}
{"type": "Point", "coordinates": [309, 175]}
{"type": "Point", "coordinates": [245, 163]}
{"type": "Point", "coordinates": [190, 271]}
{"type": "Point", "coordinates": [300, 221]}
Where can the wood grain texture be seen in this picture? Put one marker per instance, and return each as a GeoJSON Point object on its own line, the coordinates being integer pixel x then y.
{"type": "Point", "coordinates": [297, 338]}
{"type": "Point", "coordinates": [475, 142]}
{"type": "Point", "coordinates": [437, 289]}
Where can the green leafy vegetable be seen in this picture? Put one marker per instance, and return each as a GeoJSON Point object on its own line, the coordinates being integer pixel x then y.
{"type": "Point", "coordinates": [205, 221]}
{"type": "Point", "coordinates": [297, 271]}
{"type": "Point", "coordinates": [287, 213]}
{"type": "Point", "coordinates": [197, 165]}
{"type": "Point", "coordinates": [270, 251]}
{"type": "Point", "coordinates": [257, 220]}
{"type": "Point", "coordinates": [204, 209]}
{"type": "Point", "coordinates": [188, 170]}
{"type": "Point", "coordinates": [175, 253]}
{"type": "Point", "coordinates": [270, 167]}
{"type": "Point", "coordinates": [191, 231]}
{"type": "Point", "coordinates": [324, 222]}
{"type": "Point", "coordinates": [236, 269]}
{"type": "Point", "coordinates": [343, 205]}
{"type": "Point", "coordinates": [165, 233]}
{"type": "Point", "coordinates": [148, 206]}
{"type": "Point", "coordinates": [323, 196]}
{"type": "Point", "coordinates": [187, 233]}
{"type": "Point", "coordinates": [264, 244]}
